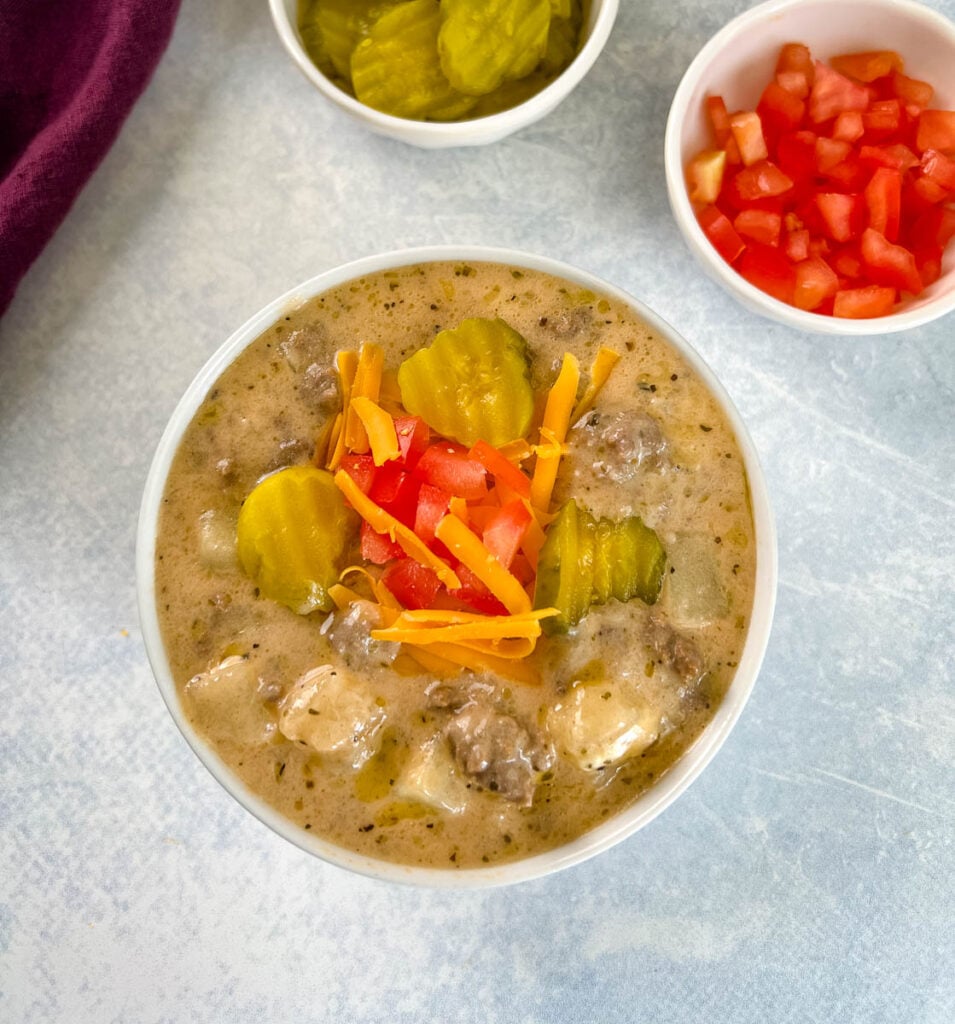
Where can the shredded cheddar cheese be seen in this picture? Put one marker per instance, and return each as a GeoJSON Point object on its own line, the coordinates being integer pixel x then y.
{"type": "Point", "coordinates": [379, 429]}
{"type": "Point", "coordinates": [383, 522]}
{"type": "Point", "coordinates": [470, 551]}
{"type": "Point", "coordinates": [557, 412]}
{"type": "Point", "coordinates": [604, 362]}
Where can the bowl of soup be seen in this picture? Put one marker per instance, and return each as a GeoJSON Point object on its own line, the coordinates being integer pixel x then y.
{"type": "Point", "coordinates": [455, 566]}
{"type": "Point", "coordinates": [460, 73]}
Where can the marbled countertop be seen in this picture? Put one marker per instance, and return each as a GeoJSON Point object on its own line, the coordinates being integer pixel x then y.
{"type": "Point", "coordinates": [806, 876]}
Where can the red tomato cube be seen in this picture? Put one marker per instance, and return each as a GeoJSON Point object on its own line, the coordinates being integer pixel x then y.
{"type": "Point", "coordinates": [413, 584]}
{"type": "Point", "coordinates": [867, 66]}
{"type": "Point", "coordinates": [721, 233]}
{"type": "Point", "coordinates": [816, 281]}
{"type": "Point", "coordinates": [759, 225]}
{"type": "Point", "coordinates": [864, 303]}
{"type": "Point", "coordinates": [447, 465]}
{"type": "Point", "coordinates": [747, 130]}
{"type": "Point", "coordinates": [378, 548]}
{"type": "Point", "coordinates": [768, 269]}
{"type": "Point", "coordinates": [936, 130]}
{"type": "Point", "coordinates": [889, 264]}
{"type": "Point", "coordinates": [842, 215]}
{"type": "Point", "coordinates": [705, 175]}
{"type": "Point", "coordinates": [833, 93]}
{"type": "Point", "coordinates": [883, 197]}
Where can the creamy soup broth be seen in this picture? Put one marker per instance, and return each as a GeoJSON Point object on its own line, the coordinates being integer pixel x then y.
{"type": "Point", "coordinates": [655, 445]}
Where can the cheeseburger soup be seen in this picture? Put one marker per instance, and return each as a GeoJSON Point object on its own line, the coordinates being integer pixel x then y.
{"type": "Point", "coordinates": [454, 561]}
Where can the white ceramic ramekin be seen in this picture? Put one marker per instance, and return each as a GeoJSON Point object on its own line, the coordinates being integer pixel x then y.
{"type": "Point", "coordinates": [647, 806]}
{"type": "Point", "coordinates": [435, 135]}
{"type": "Point", "coordinates": [738, 62]}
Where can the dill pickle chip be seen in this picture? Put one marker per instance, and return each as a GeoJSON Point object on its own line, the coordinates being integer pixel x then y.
{"type": "Point", "coordinates": [294, 530]}
{"type": "Point", "coordinates": [343, 24]}
{"type": "Point", "coordinates": [586, 562]}
{"type": "Point", "coordinates": [563, 38]}
{"type": "Point", "coordinates": [395, 68]}
{"type": "Point", "coordinates": [483, 43]}
{"type": "Point", "coordinates": [472, 383]}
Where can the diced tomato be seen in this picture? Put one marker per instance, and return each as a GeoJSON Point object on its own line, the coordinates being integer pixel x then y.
{"type": "Point", "coordinates": [721, 233]}
{"type": "Point", "coordinates": [747, 129]}
{"type": "Point", "coordinates": [868, 66]}
{"type": "Point", "coordinates": [447, 465]}
{"type": "Point", "coordinates": [504, 532]}
{"type": "Point", "coordinates": [414, 435]}
{"type": "Point", "coordinates": [473, 593]}
{"type": "Point", "coordinates": [433, 505]}
{"type": "Point", "coordinates": [881, 120]}
{"type": "Point", "coordinates": [763, 180]}
{"type": "Point", "coordinates": [796, 245]}
{"type": "Point", "coordinates": [911, 91]}
{"type": "Point", "coordinates": [768, 269]}
{"type": "Point", "coordinates": [720, 120]}
{"type": "Point", "coordinates": [842, 214]}
{"type": "Point", "coordinates": [815, 282]}
{"type": "Point", "coordinates": [830, 152]}
{"type": "Point", "coordinates": [936, 130]}
{"type": "Point", "coordinates": [413, 584]}
{"type": "Point", "coordinates": [376, 547]}
{"type": "Point", "coordinates": [897, 156]}
{"type": "Point", "coordinates": [396, 492]}
{"type": "Point", "coordinates": [794, 82]}
{"type": "Point", "coordinates": [779, 111]}
{"type": "Point", "coordinates": [940, 168]}
{"type": "Point", "coordinates": [361, 468]}
{"type": "Point", "coordinates": [883, 197]}
{"type": "Point", "coordinates": [846, 261]}
{"type": "Point", "coordinates": [935, 227]}
{"type": "Point", "coordinates": [862, 156]}
{"type": "Point", "coordinates": [889, 264]}
{"type": "Point", "coordinates": [848, 126]}
{"type": "Point", "coordinates": [795, 57]}
{"type": "Point", "coordinates": [796, 154]}
{"type": "Point", "coordinates": [759, 225]}
{"type": "Point", "coordinates": [501, 469]}
{"type": "Point", "coordinates": [929, 263]}
{"type": "Point", "coordinates": [833, 93]}
{"type": "Point", "coordinates": [929, 190]}
{"type": "Point", "coordinates": [705, 175]}
{"type": "Point", "coordinates": [864, 303]}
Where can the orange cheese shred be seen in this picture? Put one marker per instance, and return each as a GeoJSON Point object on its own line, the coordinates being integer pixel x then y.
{"type": "Point", "coordinates": [346, 362]}
{"type": "Point", "coordinates": [505, 636]}
{"type": "Point", "coordinates": [604, 362]}
{"type": "Point", "coordinates": [383, 522]}
{"type": "Point", "coordinates": [379, 429]}
{"type": "Point", "coordinates": [469, 549]}
{"type": "Point", "coordinates": [479, 661]}
{"type": "Point", "coordinates": [367, 384]}
{"type": "Point", "coordinates": [557, 413]}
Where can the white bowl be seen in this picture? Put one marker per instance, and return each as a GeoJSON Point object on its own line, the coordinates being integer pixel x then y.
{"type": "Point", "coordinates": [650, 803]}
{"type": "Point", "coordinates": [738, 62]}
{"type": "Point", "coordinates": [435, 135]}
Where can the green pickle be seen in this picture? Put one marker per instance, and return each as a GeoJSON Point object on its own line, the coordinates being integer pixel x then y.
{"type": "Point", "coordinates": [294, 531]}
{"type": "Point", "coordinates": [472, 383]}
{"type": "Point", "coordinates": [341, 25]}
{"type": "Point", "coordinates": [395, 68]}
{"type": "Point", "coordinates": [484, 43]}
{"type": "Point", "coordinates": [586, 562]}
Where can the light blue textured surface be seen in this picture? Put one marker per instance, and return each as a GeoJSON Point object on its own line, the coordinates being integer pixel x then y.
{"type": "Point", "coordinates": [806, 877]}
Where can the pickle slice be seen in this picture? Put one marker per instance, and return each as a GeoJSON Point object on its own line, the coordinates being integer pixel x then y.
{"type": "Point", "coordinates": [586, 562]}
{"type": "Point", "coordinates": [472, 383]}
{"type": "Point", "coordinates": [395, 68]}
{"type": "Point", "coordinates": [342, 25]}
{"type": "Point", "coordinates": [563, 38]}
{"type": "Point", "coordinates": [294, 530]}
{"type": "Point", "coordinates": [483, 43]}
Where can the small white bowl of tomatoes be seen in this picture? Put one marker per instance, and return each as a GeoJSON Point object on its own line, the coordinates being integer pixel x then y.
{"type": "Point", "coordinates": [810, 162]}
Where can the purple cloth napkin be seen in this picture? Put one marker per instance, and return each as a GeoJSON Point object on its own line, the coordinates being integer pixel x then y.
{"type": "Point", "coordinates": [70, 71]}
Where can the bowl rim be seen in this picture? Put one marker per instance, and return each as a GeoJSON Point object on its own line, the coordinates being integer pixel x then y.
{"type": "Point", "coordinates": [715, 266]}
{"type": "Point", "coordinates": [469, 132]}
{"type": "Point", "coordinates": [649, 804]}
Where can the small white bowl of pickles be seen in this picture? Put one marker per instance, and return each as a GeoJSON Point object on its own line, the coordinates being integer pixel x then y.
{"type": "Point", "coordinates": [437, 75]}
